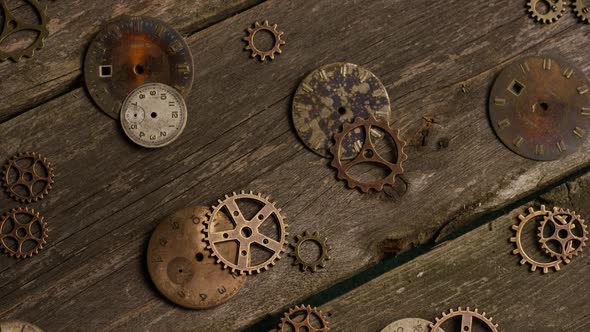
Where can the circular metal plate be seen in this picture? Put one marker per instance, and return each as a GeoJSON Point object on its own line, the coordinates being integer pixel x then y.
{"type": "Point", "coordinates": [132, 51]}
{"type": "Point", "coordinates": [540, 108]}
{"type": "Point", "coordinates": [331, 96]}
{"type": "Point", "coordinates": [18, 326]}
{"type": "Point", "coordinates": [180, 266]}
{"type": "Point", "coordinates": [409, 325]}
{"type": "Point", "coordinates": [153, 115]}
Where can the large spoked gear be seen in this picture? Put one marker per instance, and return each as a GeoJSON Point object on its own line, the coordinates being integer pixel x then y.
{"type": "Point", "coordinates": [322, 242]}
{"type": "Point", "coordinates": [555, 10]}
{"type": "Point", "coordinates": [304, 318]}
{"type": "Point", "coordinates": [368, 154]}
{"type": "Point", "coordinates": [246, 233]}
{"type": "Point", "coordinates": [467, 315]}
{"type": "Point", "coordinates": [28, 177]}
{"type": "Point", "coordinates": [23, 232]}
{"type": "Point", "coordinates": [517, 239]}
{"type": "Point", "coordinates": [583, 12]}
{"type": "Point", "coordinates": [565, 225]}
{"type": "Point", "coordinates": [13, 25]}
{"type": "Point", "coordinates": [276, 49]}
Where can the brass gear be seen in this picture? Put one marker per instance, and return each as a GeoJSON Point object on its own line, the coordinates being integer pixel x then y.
{"type": "Point", "coordinates": [245, 233]}
{"type": "Point", "coordinates": [276, 49]}
{"type": "Point", "coordinates": [21, 232]}
{"type": "Point", "coordinates": [467, 316]}
{"type": "Point", "coordinates": [563, 234]}
{"type": "Point", "coordinates": [13, 25]}
{"type": "Point", "coordinates": [582, 12]}
{"type": "Point", "coordinates": [321, 241]}
{"type": "Point", "coordinates": [306, 322]}
{"type": "Point", "coordinates": [24, 172]}
{"type": "Point", "coordinates": [532, 214]}
{"type": "Point", "coordinates": [368, 154]}
{"type": "Point", "coordinates": [556, 10]}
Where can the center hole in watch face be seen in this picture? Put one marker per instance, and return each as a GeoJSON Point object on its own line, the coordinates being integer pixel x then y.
{"type": "Point", "coordinates": [154, 115]}
{"type": "Point", "coordinates": [341, 110]}
{"type": "Point", "coordinates": [544, 106]}
{"type": "Point", "coordinates": [138, 69]}
{"type": "Point", "coordinates": [264, 40]}
{"type": "Point", "coordinates": [369, 153]}
{"type": "Point", "coordinates": [199, 257]}
{"type": "Point", "coordinates": [246, 232]}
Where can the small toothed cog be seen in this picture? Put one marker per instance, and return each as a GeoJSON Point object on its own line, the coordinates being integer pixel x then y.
{"type": "Point", "coordinates": [322, 243]}
{"type": "Point", "coordinates": [582, 11]}
{"type": "Point", "coordinates": [304, 318]}
{"type": "Point", "coordinates": [23, 232]}
{"type": "Point", "coordinates": [553, 10]}
{"type": "Point", "coordinates": [276, 49]}
{"type": "Point", "coordinates": [565, 225]}
{"type": "Point", "coordinates": [28, 177]}
{"type": "Point", "coordinates": [488, 321]}
{"type": "Point", "coordinates": [16, 26]}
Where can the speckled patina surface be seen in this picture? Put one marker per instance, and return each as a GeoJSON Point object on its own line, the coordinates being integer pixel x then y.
{"type": "Point", "coordinates": [333, 95]}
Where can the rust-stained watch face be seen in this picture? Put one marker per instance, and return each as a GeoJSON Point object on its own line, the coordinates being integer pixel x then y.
{"type": "Point", "coordinates": [540, 108]}
{"type": "Point", "coordinates": [331, 96]}
{"type": "Point", "coordinates": [180, 266]}
{"type": "Point", "coordinates": [18, 326]}
{"type": "Point", "coordinates": [132, 51]}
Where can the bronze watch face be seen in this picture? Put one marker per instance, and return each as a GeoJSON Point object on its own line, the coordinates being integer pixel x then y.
{"type": "Point", "coordinates": [132, 51]}
{"type": "Point", "coordinates": [540, 108]}
{"type": "Point", "coordinates": [180, 264]}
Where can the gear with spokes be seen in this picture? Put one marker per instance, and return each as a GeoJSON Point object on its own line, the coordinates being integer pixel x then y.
{"type": "Point", "coordinates": [368, 154]}
{"type": "Point", "coordinates": [582, 11]}
{"type": "Point", "coordinates": [23, 232]}
{"type": "Point", "coordinates": [246, 233]}
{"type": "Point", "coordinates": [12, 25]}
{"type": "Point", "coordinates": [564, 224]}
{"type": "Point", "coordinates": [517, 240]}
{"type": "Point", "coordinates": [554, 9]}
{"type": "Point", "coordinates": [304, 318]}
{"type": "Point", "coordinates": [322, 243]}
{"type": "Point", "coordinates": [467, 316]}
{"type": "Point", "coordinates": [28, 177]}
{"type": "Point", "coordinates": [278, 42]}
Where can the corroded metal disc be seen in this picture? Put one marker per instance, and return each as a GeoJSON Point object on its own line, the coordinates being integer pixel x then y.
{"type": "Point", "coordinates": [409, 325]}
{"type": "Point", "coordinates": [540, 108]}
{"type": "Point", "coordinates": [18, 326]}
{"type": "Point", "coordinates": [333, 95]}
{"type": "Point", "coordinates": [180, 266]}
{"type": "Point", "coordinates": [132, 51]}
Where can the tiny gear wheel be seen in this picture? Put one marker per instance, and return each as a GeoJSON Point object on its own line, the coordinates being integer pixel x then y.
{"type": "Point", "coordinates": [554, 10]}
{"type": "Point", "coordinates": [11, 25]}
{"type": "Point", "coordinates": [23, 232]}
{"type": "Point", "coordinates": [467, 316]}
{"type": "Point", "coordinates": [322, 243]}
{"type": "Point", "coordinates": [28, 177]}
{"type": "Point", "coordinates": [517, 240]}
{"type": "Point", "coordinates": [304, 318]}
{"type": "Point", "coordinates": [564, 224]}
{"type": "Point", "coordinates": [278, 42]}
{"type": "Point", "coordinates": [248, 233]}
{"type": "Point", "coordinates": [583, 12]}
{"type": "Point", "coordinates": [367, 153]}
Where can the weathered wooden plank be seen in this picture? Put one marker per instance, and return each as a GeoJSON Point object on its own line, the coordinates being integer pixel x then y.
{"type": "Point", "coordinates": [477, 270]}
{"type": "Point", "coordinates": [110, 194]}
{"type": "Point", "coordinates": [56, 69]}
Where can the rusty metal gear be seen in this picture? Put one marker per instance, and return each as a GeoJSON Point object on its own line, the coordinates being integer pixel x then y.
{"type": "Point", "coordinates": [246, 233]}
{"type": "Point", "coordinates": [322, 243]}
{"type": "Point", "coordinates": [555, 9]}
{"type": "Point", "coordinates": [23, 232]}
{"type": "Point", "coordinates": [583, 12]}
{"type": "Point", "coordinates": [367, 153]}
{"type": "Point", "coordinates": [467, 315]}
{"type": "Point", "coordinates": [28, 177]}
{"type": "Point", "coordinates": [304, 318]}
{"type": "Point", "coordinates": [278, 42]}
{"type": "Point", "coordinates": [12, 25]}
{"type": "Point", "coordinates": [532, 214]}
{"type": "Point", "coordinates": [563, 223]}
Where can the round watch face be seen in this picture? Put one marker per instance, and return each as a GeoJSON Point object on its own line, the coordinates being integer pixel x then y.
{"type": "Point", "coordinates": [540, 108]}
{"type": "Point", "coordinates": [153, 115]}
{"type": "Point", "coordinates": [131, 51]}
{"type": "Point", "coordinates": [409, 325]}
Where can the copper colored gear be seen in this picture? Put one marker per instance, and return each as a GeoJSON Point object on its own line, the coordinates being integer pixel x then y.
{"type": "Point", "coordinates": [517, 239]}
{"type": "Point", "coordinates": [467, 315]}
{"type": "Point", "coordinates": [16, 175]}
{"type": "Point", "coordinates": [563, 222]}
{"type": "Point", "coordinates": [368, 154]}
{"type": "Point", "coordinates": [554, 13]}
{"type": "Point", "coordinates": [22, 231]}
{"type": "Point", "coordinates": [321, 241]}
{"type": "Point", "coordinates": [583, 12]}
{"type": "Point", "coordinates": [276, 49]}
{"type": "Point", "coordinates": [288, 323]}
{"type": "Point", "coordinates": [12, 25]}
{"type": "Point", "coordinates": [245, 233]}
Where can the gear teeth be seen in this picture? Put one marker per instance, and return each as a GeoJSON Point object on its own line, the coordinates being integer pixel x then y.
{"type": "Point", "coordinates": [269, 53]}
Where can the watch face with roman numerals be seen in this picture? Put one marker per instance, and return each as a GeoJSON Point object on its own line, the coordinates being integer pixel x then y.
{"type": "Point", "coordinates": [153, 115]}
{"type": "Point", "coordinates": [132, 51]}
{"type": "Point", "coordinates": [540, 108]}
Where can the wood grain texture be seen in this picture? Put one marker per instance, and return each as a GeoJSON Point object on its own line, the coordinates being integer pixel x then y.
{"type": "Point", "coordinates": [109, 194]}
